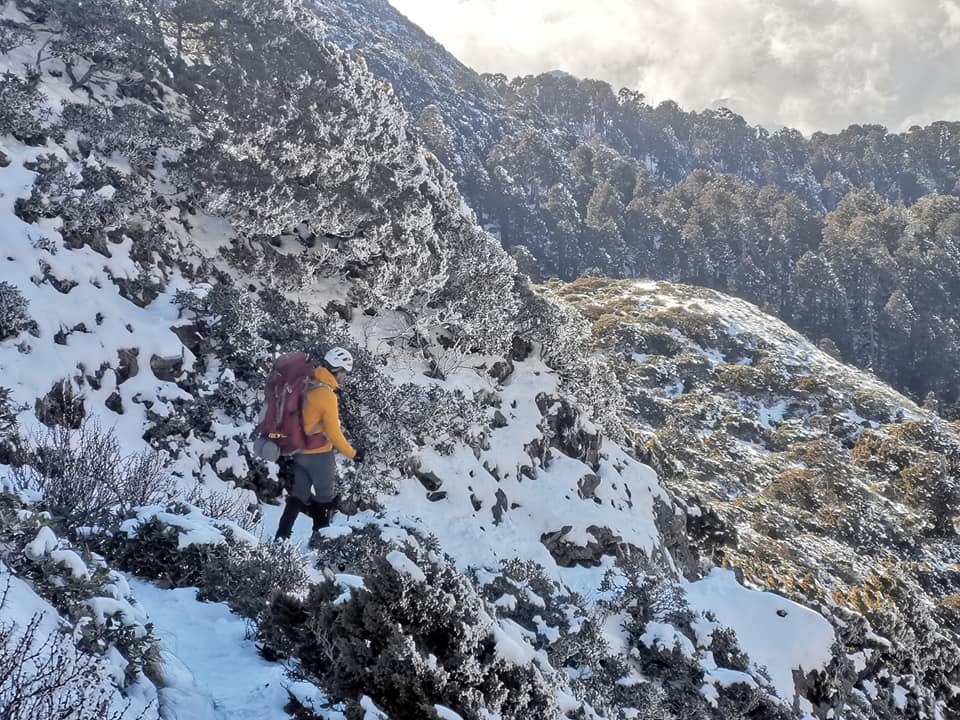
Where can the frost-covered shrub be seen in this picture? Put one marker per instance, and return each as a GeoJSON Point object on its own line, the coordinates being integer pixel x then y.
{"type": "Point", "coordinates": [394, 419]}
{"type": "Point", "coordinates": [89, 197]}
{"type": "Point", "coordinates": [226, 505]}
{"type": "Point", "coordinates": [85, 478]}
{"type": "Point", "coordinates": [246, 576]}
{"type": "Point", "coordinates": [726, 651]}
{"type": "Point", "coordinates": [355, 553]}
{"type": "Point", "coordinates": [566, 341]}
{"type": "Point", "coordinates": [11, 442]}
{"type": "Point", "coordinates": [21, 109]}
{"type": "Point", "coordinates": [230, 321]}
{"type": "Point", "coordinates": [292, 326]}
{"type": "Point", "coordinates": [646, 590]}
{"type": "Point", "coordinates": [91, 596]}
{"type": "Point", "coordinates": [14, 317]}
{"type": "Point", "coordinates": [572, 634]}
{"type": "Point", "coordinates": [8, 415]}
{"type": "Point", "coordinates": [44, 675]}
{"type": "Point", "coordinates": [153, 551]}
{"type": "Point", "coordinates": [409, 643]}
{"type": "Point", "coordinates": [532, 598]}
{"type": "Point", "coordinates": [562, 332]}
{"type": "Point", "coordinates": [133, 131]}
{"type": "Point", "coordinates": [595, 385]}
{"type": "Point", "coordinates": [480, 292]}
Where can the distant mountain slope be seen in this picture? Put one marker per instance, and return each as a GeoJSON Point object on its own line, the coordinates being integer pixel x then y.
{"type": "Point", "coordinates": [670, 141]}
{"type": "Point", "coordinates": [815, 478]}
{"type": "Point", "coordinates": [424, 75]}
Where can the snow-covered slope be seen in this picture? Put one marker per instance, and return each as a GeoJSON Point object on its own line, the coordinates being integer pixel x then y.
{"type": "Point", "coordinates": [810, 476]}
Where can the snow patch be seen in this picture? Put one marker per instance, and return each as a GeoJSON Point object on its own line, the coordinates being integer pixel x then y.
{"type": "Point", "coordinates": [774, 632]}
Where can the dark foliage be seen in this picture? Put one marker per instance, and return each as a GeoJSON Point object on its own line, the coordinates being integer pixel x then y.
{"type": "Point", "coordinates": [14, 317]}
{"type": "Point", "coordinates": [86, 479]}
{"type": "Point", "coordinates": [408, 644]}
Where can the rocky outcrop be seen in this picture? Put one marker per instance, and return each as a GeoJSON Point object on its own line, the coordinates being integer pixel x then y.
{"type": "Point", "coordinates": [569, 554]}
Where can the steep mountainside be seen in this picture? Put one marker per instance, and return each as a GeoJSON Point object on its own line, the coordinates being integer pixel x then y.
{"type": "Point", "coordinates": [850, 236]}
{"type": "Point", "coordinates": [813, 478]}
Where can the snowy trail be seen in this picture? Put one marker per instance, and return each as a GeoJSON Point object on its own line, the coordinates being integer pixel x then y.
{"type": "Point", "coordinates": [212, 671]}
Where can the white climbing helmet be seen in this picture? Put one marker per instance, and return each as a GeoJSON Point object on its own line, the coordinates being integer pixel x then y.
{"type": "Point", "coordinates": [338, 359]}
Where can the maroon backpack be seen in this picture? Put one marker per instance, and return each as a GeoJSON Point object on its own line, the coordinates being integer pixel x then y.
{"type": "Point", "coordinates": [282, 421]}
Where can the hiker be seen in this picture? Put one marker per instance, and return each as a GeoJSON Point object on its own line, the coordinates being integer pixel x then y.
{"type": "Point", "coordinates": [314, 467]}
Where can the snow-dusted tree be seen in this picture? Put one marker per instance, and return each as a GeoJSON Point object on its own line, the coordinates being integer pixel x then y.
{"type": "Point", "coordinates": [562, 254]}
{"type": "Point", "coordinates": [821, 308]}
{"type": "Point", "coordinates": [412, 637]}
{"type": "Point", "coordinates": [603, 239]}
{"type": "Point", "coordinates": [22, 108]}
{"type": "Point", "coordinates": [14, 314]}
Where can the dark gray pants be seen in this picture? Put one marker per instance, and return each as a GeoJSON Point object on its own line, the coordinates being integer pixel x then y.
{"type": "Point", "coordinates": [316, 472]}
{"type": "Point", "coordinates": [314, 491]}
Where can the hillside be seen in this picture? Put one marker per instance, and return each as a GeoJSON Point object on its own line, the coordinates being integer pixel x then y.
{"type": "Point", "coordinates": [187, 191]}
{"type": "Point", "coordinates": [811, 477]}
{"type": "Point", "coordinates": [849, 236]}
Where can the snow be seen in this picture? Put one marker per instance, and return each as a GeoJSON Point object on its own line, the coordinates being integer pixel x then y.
{"type": "Point", "coordinates": [42, 544]}
{"type": "Point", "coordinates": [773, 415]}
{"type": "Point", "coordinates": [371, 711]}
{"type": "Point", "coordinates": [508, 602]}
{"type": "Point", "coordinates": [73, 562]}
{"type": "Point", "coordinates": [667, 637]}
{"type": "Point", "coordinates": [899, 697]}
{"type": "Point", "coordinates": [405, 566]}
{"type": "Point", "coordinates": [103, 608]}
{"type": "Point", "coordinates": [197, 528]}
{"type": "Point", "coordinates": [511, 643]}
{"type": "Point", "coordinates": [799, 638]}
{"type": "Point", "coordinates": [212, 669]}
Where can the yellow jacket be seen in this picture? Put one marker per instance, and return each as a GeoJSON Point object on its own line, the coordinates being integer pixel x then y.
{"type": "Point", "coordinates": [321, 414]}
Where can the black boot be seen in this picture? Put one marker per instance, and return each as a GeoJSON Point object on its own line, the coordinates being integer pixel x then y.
{"type": "Point", "coordinates": [321, 514]}
{"type": "Point", "coordinates": [291, 510]}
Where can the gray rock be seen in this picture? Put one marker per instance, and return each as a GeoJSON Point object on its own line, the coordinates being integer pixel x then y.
{"type": "Point", "coordinates": [501, 370]}
{"type": "Point", "coordinates": [167, 369]}
{"type": "Point", "coordinates": [128, 365]}
{"type": "Point", "coordinates": [568, 554]}
{"type": "Point", "coordinates": [587, 485]}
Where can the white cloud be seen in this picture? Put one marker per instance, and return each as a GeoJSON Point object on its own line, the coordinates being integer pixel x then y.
{"type": "Point", "coordinates": [809, 64]}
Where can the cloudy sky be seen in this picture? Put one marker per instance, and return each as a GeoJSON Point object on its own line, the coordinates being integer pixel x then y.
{"type": "Point", "coordinates": [808, 64]}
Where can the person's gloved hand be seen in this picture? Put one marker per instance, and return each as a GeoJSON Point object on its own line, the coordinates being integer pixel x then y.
{"type": "Point", "coordinates": [359, 457]}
